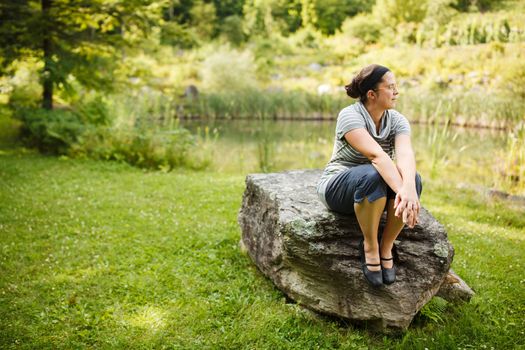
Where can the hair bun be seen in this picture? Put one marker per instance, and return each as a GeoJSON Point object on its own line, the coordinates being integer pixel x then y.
{"type": "Point", "coordinates": [352, 89]}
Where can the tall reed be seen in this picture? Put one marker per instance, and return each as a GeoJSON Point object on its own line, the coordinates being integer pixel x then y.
{"type": "Point", "coordinates": [263, 104]}
{"type": "Point", "coordinates": [470, 29]}
{"type": "Point", "coordinates": [437, 140]}
{"type": "Point", "coordinates": [512, 170]}
{"type": "Point", "coordinates": [465, 109]}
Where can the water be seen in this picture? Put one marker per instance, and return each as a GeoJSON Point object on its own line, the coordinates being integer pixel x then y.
{"type": "Point", "coordinates": [472, 156]}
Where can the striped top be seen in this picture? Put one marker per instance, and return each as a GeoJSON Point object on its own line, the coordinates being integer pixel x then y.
{"type": "Point", "coordinates": [345, 156]}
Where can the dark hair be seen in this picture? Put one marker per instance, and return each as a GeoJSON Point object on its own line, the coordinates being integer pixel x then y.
{"type": "Point", "coordinates": [366, 79]}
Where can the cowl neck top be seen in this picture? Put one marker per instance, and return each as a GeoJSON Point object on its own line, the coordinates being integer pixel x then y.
{"type": "Point", "coordinates": [385, 124]}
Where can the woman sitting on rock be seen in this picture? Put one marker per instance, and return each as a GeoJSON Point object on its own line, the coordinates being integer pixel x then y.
{"type": "Point", "coordinates": [362, 177]}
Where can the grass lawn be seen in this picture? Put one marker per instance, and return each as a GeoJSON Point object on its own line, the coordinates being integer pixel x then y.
{"type": "Point", "coordinates": [103, 255]}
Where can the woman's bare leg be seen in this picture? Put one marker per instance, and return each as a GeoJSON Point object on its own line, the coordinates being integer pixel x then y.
{"type": "Point", "coordinates": [368, 215]}
{"type": "Point", "coordinates": [393, 227]}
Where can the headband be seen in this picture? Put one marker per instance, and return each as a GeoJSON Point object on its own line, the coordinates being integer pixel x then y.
{"type": "Point", "coordinates": [372, 79]}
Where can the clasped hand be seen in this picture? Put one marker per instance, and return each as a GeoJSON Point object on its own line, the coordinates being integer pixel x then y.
{"type": "Point", "coordinates": [406, 205]}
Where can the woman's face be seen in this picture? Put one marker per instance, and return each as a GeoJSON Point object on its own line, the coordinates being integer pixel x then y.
{"type": "Point", "coordinates": [386, 91]}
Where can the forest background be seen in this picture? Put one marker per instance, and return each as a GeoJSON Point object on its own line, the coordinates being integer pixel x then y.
{"type": "Point", "coordinates": [106, 79]}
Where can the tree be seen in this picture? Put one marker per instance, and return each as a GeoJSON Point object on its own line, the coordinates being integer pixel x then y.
{"type": "Point", "coordinates": [203, 19]}
{"type": "Point", "coordinates": [289, 14]}
{"type": "Point", "coordinates": [258, 18]}
{"type": "Point", "coordinates": [393, 12]}
{"type": "Point", "coordinates": [262, 17]}
{"type": "Point", "coordinates": [227, 8]}
{"type": "Point", "coordinates": [72, 38]}
{"type": "Point", "coordinates": [308, 13]}
{"type": "Point", "coordinates": [332, 13]}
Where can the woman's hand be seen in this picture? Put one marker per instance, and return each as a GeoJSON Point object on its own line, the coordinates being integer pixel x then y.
{"type": "Point", "coordinates": [407, 206]}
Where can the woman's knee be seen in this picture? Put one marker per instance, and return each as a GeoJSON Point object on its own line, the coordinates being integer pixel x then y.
{"type": "Point", "coordinates": [371, 177]}
{"type": "Point", "coordinates": [372, 184]}
{"type": "Point", "coordinates": [369, 174]}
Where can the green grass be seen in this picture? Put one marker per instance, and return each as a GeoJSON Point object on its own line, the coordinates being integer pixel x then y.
{"type": "Point", "coordinates": [101, 254]}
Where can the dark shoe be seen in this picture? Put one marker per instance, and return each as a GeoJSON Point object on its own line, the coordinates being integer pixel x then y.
{"type": "Point", "coordinates": [389, 275]}
{"type": "Point", "coordinates": [374, 278]}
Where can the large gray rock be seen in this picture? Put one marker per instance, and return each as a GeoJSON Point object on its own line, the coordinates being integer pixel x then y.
{"type": "Point", "coordinates": [311, 254]}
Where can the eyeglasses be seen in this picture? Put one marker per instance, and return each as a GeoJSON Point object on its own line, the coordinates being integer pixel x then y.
{"type": "Point", "coordinates": [391, 87]}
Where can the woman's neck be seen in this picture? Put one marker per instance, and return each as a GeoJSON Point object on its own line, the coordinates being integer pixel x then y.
{"type": "Point", "coordinates": [375, 112]}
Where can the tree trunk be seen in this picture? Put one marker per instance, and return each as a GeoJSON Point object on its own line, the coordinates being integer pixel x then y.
{"type": "Point", "coordinates": [171, 12]}
{"type": "Point", "coordinates": [47, 78]}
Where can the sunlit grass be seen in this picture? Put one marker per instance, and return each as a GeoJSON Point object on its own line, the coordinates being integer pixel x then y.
{"type": "Point", "coordinates": [101, 254]}
{"type": "Point", "coordinates": [149, 318]}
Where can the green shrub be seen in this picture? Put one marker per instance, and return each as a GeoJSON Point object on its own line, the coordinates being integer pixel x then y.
{"type": "Point", "coordinates": [365, 27]}
{"type": "Point", "coordinates": [514, 79]}
{"type": "Point", "coordinates": [434, 309]}
{"type": "Point", "coordinates": [142, 147]}
{"type": "Point", "coordinates": [25, 96]}
{"type": "Point", "coordinates": [227, 69]}
{"type": "Point", "coordinates": [55, 131]}
{"type": "Point", "coordinates": [306, 38]}
{"type": "Point", "coordinates": [393, 12]}
{"type": "Point", "coordinates": [231, 29]}
{"type": "Point", "coordinates": [93, 110]}
{"type": "Point", "coordinates": [50, 131]}
{"type": "Point", "coordinates": [23, 88]}
{"type": "Point", "coordinates": [140, 129]}
{"type": "Point", "coordinates": [344, 47]}
{"type": "Point", "coordinates": [175, 34]}
{"type": "Point", "coordinates": [474, 28]}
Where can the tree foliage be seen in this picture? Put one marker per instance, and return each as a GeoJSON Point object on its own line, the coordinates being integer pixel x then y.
{"type": "Point", "coordinates": [331, 14]}
{"type": "Point", "coordinates": [82, 41]}
{"type": "Point", "coordinates": [74, 39]}
{"type": "Point", "coordinates": [262, 17]}
{"type": "Point", "coordinates": [393, 12]}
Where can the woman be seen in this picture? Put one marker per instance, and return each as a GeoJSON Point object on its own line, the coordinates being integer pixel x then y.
{"type": "Point", "coordinates": [362, 177]}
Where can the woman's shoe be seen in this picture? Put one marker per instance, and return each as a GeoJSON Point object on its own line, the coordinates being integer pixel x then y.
{"type": "Point", "coordinates": [389, 275]}
{"type": "Point", "coordinates": [374, 278]}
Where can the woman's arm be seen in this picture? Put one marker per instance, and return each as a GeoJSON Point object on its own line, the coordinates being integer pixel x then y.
{"type": "Point", "coordinates": [406, 202]}
{"type": "Point", "coordinates": [365, 144]}
{"type": "Point", "coordinates": [406, 164]}
{"type": "Point", "coordinates": [405, 160]}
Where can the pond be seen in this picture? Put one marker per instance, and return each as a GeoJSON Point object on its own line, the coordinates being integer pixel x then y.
{"type": "Point", "coordinates": [460, 155]}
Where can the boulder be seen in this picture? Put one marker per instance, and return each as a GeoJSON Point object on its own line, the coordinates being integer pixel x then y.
{"type": "Point", "coordinates": [311, 253]}
{"type": "Point", "coordinates": [454, 289]}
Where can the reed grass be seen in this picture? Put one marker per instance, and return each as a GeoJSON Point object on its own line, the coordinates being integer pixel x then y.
{"type": "Point", "coordinates": [263, 104]}
{"type": "Point", "coordinates": [471, 109]}
{"type": "Point", "coordinates": [472, 29]}
{"type": "Point", "coordinates": [423, 106]}
{"type": "Point", "coordinates": [511, 174]}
